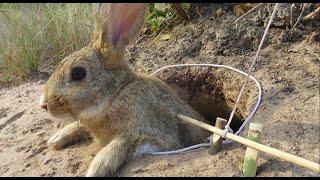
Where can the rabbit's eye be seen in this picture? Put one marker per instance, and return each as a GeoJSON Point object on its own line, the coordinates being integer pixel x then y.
{"type": "Point", "coordinates": [78, 73]}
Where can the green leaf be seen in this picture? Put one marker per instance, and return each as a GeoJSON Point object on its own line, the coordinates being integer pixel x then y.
{"type": "Point", "coordinates": [151, 7]}
{"type": "Point", "coordinates": [149, 16]}
{"type": "Point", "coordinates": [160, 12]}
{"type": "Point", "coordinates": [185, 6]}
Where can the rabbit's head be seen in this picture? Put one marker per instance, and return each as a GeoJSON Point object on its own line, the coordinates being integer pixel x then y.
{"type": "Point", "coordinates": [84, 82]}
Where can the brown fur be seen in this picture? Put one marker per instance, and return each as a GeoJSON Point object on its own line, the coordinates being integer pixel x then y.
{"type": "Point", "coordinates": [124, 110]}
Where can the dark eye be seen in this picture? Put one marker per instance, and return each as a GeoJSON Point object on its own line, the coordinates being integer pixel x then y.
{"type": "Point", "coordinates": [78, 73]}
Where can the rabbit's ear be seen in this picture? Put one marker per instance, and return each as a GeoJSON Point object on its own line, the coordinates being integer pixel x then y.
{"type": "Point", "coordinates": [117, 24]}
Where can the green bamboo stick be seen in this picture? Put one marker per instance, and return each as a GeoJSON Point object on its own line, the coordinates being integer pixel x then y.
{"type": "Point", "coordinates": [251, 157]}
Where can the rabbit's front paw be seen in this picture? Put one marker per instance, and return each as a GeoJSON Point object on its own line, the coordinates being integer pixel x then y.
{"type": "Point", "coordinates": [111, 157]}
{"type": "Point", "coordinates": [97, 170]}
{"type": "Point", "coordinates": [72, 133]}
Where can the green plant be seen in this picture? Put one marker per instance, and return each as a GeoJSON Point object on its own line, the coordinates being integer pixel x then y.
{"type": "Point", "coordinates": [35, 34]}
{"type": "Point", "coordinates": [160, 13]}
{"type": "Point", "coordinates": [32, 34]}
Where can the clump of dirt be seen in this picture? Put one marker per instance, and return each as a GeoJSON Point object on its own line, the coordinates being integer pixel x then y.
{"type": "Point", "coordinates": [288, 69]}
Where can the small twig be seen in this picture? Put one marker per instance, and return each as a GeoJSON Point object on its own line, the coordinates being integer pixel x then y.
{"type": "Point", "coordinates": [312, 15]}
{"type": "Point", "coordinates": [308, 98]}
{"type": "Point", "coordinates": [249, 12]}
{"type": "Point", "coordinates": [201, 20]}
{"type": "Point", "coordinates": [63, 50]}
{"type": "Point", "coordinates": [76, 23]}
{"type": "Point", "coordinates": [156, 38]}
{"type": "Point", "coordinates": [139, 39]}
{"type": "Point", "coordinates": [291, 14]}
{"type": "Point", "coordinates": [298, 20]}
{"type": "Point", "coordinates": [48, 23]}
{"type": "Point", "coordinates": [15, 141]}
{"type": "Point", "coordinates": [197, 9]}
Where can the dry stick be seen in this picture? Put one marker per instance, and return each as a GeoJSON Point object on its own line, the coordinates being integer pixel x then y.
{"type": "Point", "coordinates": [298, 20]}
{"type": "Point", "coordinates": [197, 9]}
{"type": "Point", "coordinates": [312, 15]}
{"type": "Point", "coordinates": [249, 12]}
{"type": "Point", "coordinates": [291, 14]}
{"type": "Point", "coordinates": [251, 157]}
{"type": "Point", "coordinates": [180, 10]}
{"type": "Point", "coordinates": [257, 146]}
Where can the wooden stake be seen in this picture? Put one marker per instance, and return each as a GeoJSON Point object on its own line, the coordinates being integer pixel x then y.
{"type": "Point", "coordinates": [250, 159]}
{"type": "Point", "coordinates": [216, 143]}
{"type": "Point", "coordinates": [260, 147]}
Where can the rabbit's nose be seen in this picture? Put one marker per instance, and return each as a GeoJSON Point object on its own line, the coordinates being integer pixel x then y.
{"type": "Point", "coordinates": [44, 106]}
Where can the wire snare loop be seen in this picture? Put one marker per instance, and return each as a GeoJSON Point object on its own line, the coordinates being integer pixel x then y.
{"type": "Point", "coordinates": [227, 127]}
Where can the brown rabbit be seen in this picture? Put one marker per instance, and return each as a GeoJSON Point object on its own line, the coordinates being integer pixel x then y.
{"type": "Point", "coordinates": [129, 113]}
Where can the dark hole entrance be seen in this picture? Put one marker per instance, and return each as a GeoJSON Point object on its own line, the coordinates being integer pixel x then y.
{"type": "Point", "coordinates": [212, 92]}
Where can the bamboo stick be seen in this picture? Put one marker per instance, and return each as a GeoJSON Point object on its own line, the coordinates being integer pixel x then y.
{"type": "Point", "coordinates": [251, 157]}
{"type": "Point", "coordinates": [260, 147]}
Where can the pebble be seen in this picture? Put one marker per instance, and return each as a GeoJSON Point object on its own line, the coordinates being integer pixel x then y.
{"type": "Point", "coordinates": [51, 173]}
{"type": "Point", "coordinates": [4, 114]}
{"type": "Point", "coordinates": [42, 142]}
{"type": "Point", "coordinates": [40, 82]}
{"type": "Point", "coordinates": [138, 170]}
{"type": "Point", "coordinates": [20, 148]}
{"type": "Point", "coordinates": [26, 92]}
{"type": "Point", "coordinates": [39, 149]}
{"type": "Point", "coordinates": [46, 161]}
{"type": "Point", "coordinates": [27, 164]}
{"type": "Point", "coordinates": [27, 150]}
{"type": "Point", "coordinates": [40, 134]}
{"type": "Point", "coordinates": [30, 154]}
{"type": "Point", "coordinates": [58, 125]}
{"type": "Point", "coordinates": [74, 167]}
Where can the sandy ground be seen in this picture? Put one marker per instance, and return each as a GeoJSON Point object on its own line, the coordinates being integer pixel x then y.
{"type": "Point", "coordinates": [288, 70]}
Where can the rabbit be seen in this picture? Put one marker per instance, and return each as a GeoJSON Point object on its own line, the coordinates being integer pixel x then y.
{"type": "Point", "coordinates": [129, 113]}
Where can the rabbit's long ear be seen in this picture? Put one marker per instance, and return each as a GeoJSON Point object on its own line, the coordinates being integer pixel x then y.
{"type": "Point", "coordinates": [117, 24]}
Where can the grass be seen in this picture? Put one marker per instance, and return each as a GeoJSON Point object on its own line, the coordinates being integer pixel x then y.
{"type": "Point", "coordinates": [34, 35]}
{"type": "Point", "coordinates": [31, 34]}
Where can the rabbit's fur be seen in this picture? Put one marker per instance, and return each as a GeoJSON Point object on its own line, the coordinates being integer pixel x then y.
{"type": "Point", "coordinates": [129, 113]}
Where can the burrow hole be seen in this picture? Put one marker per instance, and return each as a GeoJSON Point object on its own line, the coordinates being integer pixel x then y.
{"type": "Point", "coordinates": [212, 92]}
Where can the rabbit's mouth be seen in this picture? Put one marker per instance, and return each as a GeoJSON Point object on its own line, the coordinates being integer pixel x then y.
{"type": "Point", "coordinates": [56, 111]}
